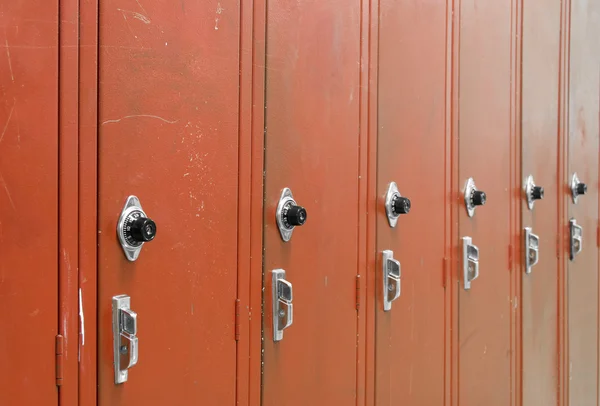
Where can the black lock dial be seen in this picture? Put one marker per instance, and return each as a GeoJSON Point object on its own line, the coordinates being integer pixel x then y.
{"type": "Point", "coordinates": [138, 229]}
{"type": "Point", "coordinates": [581, 188]}
{"type": "Point", "coordinates": [478, 198]}
{"type": "Point", "coordinates": [537, 193]}
{"type": "Point", "coordinates": [401, 205]}
{"type": "Point", "coordinates": [294, 215]}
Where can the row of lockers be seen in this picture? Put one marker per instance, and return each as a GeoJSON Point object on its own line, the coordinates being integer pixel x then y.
{"type": "Point", "coordinates": [312, 202]}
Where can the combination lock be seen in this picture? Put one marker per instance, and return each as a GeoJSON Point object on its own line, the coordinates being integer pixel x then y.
{"type": "Point", "coordinates": [578, 188]}
{"type": "Point", "coordinates": [134, 228]}
{"type": "Point", "coordinates": [289, 214]}
{"type": "Point", "coordinates": [293, 215]}
{"type": "Point", "coordinates": [395, 204]}
{"type": "Point", "coordinates": [532, 192]}
{"type": "Point", "coordinates": [138, 229]}
{"type": "Point", "coordinates": [473, 197]}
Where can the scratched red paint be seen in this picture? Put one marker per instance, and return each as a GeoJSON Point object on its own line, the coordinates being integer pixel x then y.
{"type": "Point", "coordinates": [28, 202]}
{"type": "Point", "coordinates": [168, 133]}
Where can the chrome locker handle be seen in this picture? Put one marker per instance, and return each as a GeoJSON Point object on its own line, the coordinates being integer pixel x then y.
{"type": "Point", "coordinates": [283, 308]}
{"type": "Point", "coordinates": [576, 238]}
{"type": "Point", "coordinates": [391, 279]}
{"type": "Point", "coordinates": [125, 341]}
{"type": "Point", "coordinates": [532, 248]}
{"type": "Point", "coordinates": [470, 262]}
{"type": "Point", "coordinates": [128, 351]}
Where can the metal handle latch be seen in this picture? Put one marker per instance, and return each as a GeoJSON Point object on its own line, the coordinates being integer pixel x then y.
{"type": "Point", "coordinates": [576, 238]}
{"type": "Point", "coordinates": [470, 262]}
{"type": "Point", "coordinates": [125, 341]}
{"type": "Point", "coordinates": [532, 249]}
{"type": "Point", "coordinates": [391, 279]}
{"type": "Point", "coordinates": [283, 309]}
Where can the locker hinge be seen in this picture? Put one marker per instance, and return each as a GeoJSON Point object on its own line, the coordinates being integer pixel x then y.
{"type": "Point", "coordinates": [510, 256]}
{"type": "Point", "coordinates": [60, 346]}
{"type": "Point", "coordinates": [237, 319]}
{"type": "Point", "coordinates": [446, 271]}
{"type": "Point", "coordinates": [357, 292]}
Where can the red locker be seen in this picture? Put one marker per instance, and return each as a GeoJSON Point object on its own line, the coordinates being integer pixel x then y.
{"type": "Point", "coordinates": [539, 207]}
{"type": "Point", "coordinates": [312, 147]}
{"type": "Point", "coordinates": [485, 142]}
{"type": "Point", "coordinates": [582, 222]}
{"type": "Point", "coordinates": [411, 152]}
{"type": "Point", "coordinates": [540, 275]}
{"type": "Point", "coordinates": [168, 134]}
{"type": "Point", "coordinates": [371, 173]}
{"type": "Point", "coordinates": [29, 204]}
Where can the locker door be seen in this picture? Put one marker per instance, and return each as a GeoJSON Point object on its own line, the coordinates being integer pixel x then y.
{"type": "Point", "coordinates": [411, 152]}
{"type": "Point", "coordinates": [484, 155]}
{"type": "Point", "coordinates": [312, 129]}
{"type": "Point", "coordinates": [539, 303]}
{"type": "Point", "coordinates": [28, 202]}
{"type": "Point", "coordinates": [168, 135]}
{"type": "Point", "coordinates": [583, 160]}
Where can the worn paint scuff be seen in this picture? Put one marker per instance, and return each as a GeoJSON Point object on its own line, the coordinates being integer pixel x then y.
{"type": "Point", "coordinates": [140, 115]}
{"type": "Point", "coordinates": [82, 325]}
{"type": "Point", "coordinates": [12, 76]}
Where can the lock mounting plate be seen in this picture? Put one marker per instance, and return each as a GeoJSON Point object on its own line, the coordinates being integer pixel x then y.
{"type": "Point", "coordinates": [392, 193]}
{"type": "Point", "coordinates": [286, 200]}
{"type": "Point", "coordinates": [470, 188]}
{"type": "Point", "coordinates": [529, 185]}
{"type": "Point", "coordinates": [132, 207]}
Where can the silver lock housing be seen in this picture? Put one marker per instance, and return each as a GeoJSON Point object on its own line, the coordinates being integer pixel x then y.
{"type": "Point", "coordinates": [470, 188]}
{"type": "Point", "coordinates": [285, 201]}
{"type": "Point", "coordinates": [529, 185]}
{"type": "Point", "coordinates": [574, 182]}
{"type": "Point", "coordinates": [392, 194]}
{"type": "Point", "coordinates": [132, 205]}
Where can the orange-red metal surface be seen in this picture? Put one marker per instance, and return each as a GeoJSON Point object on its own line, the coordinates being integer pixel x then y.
{"type": "Point", "coordinates": [88, 211]}
{"type": "Point", "coordinates": [28, 202]}
{"type": "Point", "coordinates": [539, 154]}
{"type": "Point", "coordinates": [583, 158]}
{"type": "Point", "coordinates": [563, 203]}
{"type": "Point", "coordinates": [365, 294]}
{"type": "Point", "coordinates": [168, 133]}
{"type": "Point", "coordinates": [368, 186]}
{"type": "Point", "coordinates": [484, 136]}
{"type": "Point", "coordinates": [250, 195]}
{"type": "Point", "coordinates": [312, 146]}
{"type": "Point", "coordinates": [410, 342]}
{"type": "Point", "coordinates": [71, 325]}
